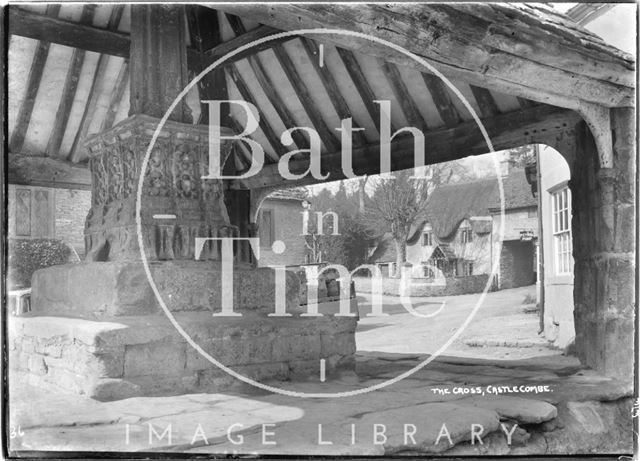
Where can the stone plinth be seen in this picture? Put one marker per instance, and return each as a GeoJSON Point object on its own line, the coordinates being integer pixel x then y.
{"type": "Point", "coordinates": [102, 290]}
{"type": "Point", "coordinates": [96, 329]}
{"type": "Point", "coordinates": [145, 355]}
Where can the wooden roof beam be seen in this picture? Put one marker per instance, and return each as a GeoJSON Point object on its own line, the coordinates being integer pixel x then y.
{"type": "Point", "coordinates": [304, 95]}
{"type": "Point", "coordinates": [403, 96]}
{"type": "Point", "coordinates": [68, 91]}
{"type": "Point", "coordinates": [32, 86]}
{"type": "Point", "coordinates": [104, 41]}
{"type": "Point", "coordinates": [538, 124]}
{"type": "Point", "coordinates": [517, 49]}
{"type": "Point", "coordinates": [442, 100]}
{"type": "Point", "coordinates": [76, 35]}
{"type": "Point", "coordinates": [97, 85]}
{"type": "Point", "coordinates": [362, 85]}
{"type": "Point", "coordinates": [268, 87]}
{"type": "Point", "coordinates": [122, 82]}
{"type": "Point", "coordinates": [331, 87]}
{"type": "Point", "coordinates": [488, 106]}
{"type": "Point", "coordinates": [266, 128]}
{"type": "Point", "coordinates": [29, 170]}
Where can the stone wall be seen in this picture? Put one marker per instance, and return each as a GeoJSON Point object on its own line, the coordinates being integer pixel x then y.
{"type": "Point", "coordinates": [604, 239]}
{"type": "Point", "coordinates": [45, 212]}
{"type": "Point", "coordinates": [287, 227]}
{"type": "Point", "coordinates": [71, 209]}
{"type": "Point", "coordinates": [423, 287]}
{"type": "Point", "coordinates": [146, 355]}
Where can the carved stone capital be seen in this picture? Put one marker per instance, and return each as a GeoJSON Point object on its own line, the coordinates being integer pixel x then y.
{"type": "Point", "coordinates": [177, 205]}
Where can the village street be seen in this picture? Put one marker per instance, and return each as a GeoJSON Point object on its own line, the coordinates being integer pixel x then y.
{"type": "Point", "coordinates": [504, 327]}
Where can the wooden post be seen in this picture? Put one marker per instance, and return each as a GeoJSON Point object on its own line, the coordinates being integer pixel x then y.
{"type": "Point", "coordinates": [158, 61]}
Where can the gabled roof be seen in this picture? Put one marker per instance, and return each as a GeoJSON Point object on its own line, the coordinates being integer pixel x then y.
{"type": "Point", "coordinates": [449, 205]}
{"type": "Point", "coordinates": [295, 194]}
{"type": "Point", "coordinates": [443, 251]}
{"type": "Point", "coordinates": [517, 192]}
{"type": "Point", "coordinates": [385, 250]}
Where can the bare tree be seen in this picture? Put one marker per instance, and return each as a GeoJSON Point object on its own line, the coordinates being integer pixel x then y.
{"type": "Point", "coordinates": [399, 201]}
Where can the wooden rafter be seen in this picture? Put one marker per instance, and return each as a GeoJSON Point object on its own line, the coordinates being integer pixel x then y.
{"type": "Point", "coordinates": [243, 157]}
{"type": "Point", "coordinates": [268, 87]}
{"type": "Point", "coordinates": [252, 35]}
{"type": "Point", "coordinates": [362, 85]}
{"type": "Point", "coordinates": [54, 30]}
{"type": "Point", "coordinates": [266, 128]}
{"type": "Point", "coordinates": [33, 84]}
{"type": "Point", "coordinates": [525, 103]}
{"type": "Point", "coordinates": [488, 106]}
{"type": "Point", "coordinates": [403, 96]}
{"type": "Point", "coordinates": [68, 91]}
{"type": "Point", "coordinates": [518, 49]}
{"type": "Point", "coordinates": [331, 87]}
{"type": "Point", "coordinates": [97, 85]}
{"type": "Point", "coordinates": [538, 124]}
{"type": "Point", "coordinates": [304, 95]}
{"type": "Point", "coordinates": [47, 172]}
{"type": "Point", "coordinates": [442, 100]}
{"type": "Point", "coordinates": [104, 41]}
{"type": "Point", "coordinates": [122, 82]}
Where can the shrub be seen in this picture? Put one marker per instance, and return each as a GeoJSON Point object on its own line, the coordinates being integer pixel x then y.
{"type": "Point", "coordinates": [28, 255]}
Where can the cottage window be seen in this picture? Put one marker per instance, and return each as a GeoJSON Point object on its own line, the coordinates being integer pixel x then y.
{"type": "Point", "coordinates": [467, 268]}
{"type": "Point", "coordinates": [427, 271]}
{"type": "Point", "coordinates": [562, 242]}
{"type": "Point", "coordinates": [266, 229]}
{"type": "Point", "coordinates": [427, 239]}
{"type": "Point", "coordinates": [466, 235]}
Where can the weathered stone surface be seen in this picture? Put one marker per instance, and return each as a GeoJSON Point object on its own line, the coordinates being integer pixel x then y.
{"type": "Point", "coordinates": [428, 420]}
{"type": "Point", "coordinates": [112, 289]}
{"type": "Point", "coordinates": [604, 244]}
{"type": "Point", "coordinates": [524, 411]}
{"type": "Point", "coordinates": [173, 185]}
{"type": "Point", "coordinates": [155, 359]}
{"type": "Point", "coordinates": [146, 355]}
{"type": "Point", "coordinates": [592, 427]}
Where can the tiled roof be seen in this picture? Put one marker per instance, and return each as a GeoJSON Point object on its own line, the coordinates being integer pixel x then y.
{"type": "Point", "coordinates": [295, 193]}
{"type": "Point", "coordinates": [517, 192]}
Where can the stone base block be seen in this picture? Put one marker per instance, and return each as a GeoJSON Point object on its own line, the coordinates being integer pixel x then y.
{"type": "Point", "coordinates": [121, 288]}
{"type": "Point", "coordinates": [145, 355]}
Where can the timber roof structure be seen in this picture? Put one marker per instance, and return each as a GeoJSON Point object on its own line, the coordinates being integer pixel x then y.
{"type": "Point", "coordinates": [523, 68]}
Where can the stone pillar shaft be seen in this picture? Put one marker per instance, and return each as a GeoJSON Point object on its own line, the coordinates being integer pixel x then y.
{"type": "Point", "coordinates": [604, 250]}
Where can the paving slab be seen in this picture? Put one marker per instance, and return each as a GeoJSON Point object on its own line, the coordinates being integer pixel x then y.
{"type": "Point", "coordinates": [201, 423]}
{"type": "Point", "coordinates": [524, 411]}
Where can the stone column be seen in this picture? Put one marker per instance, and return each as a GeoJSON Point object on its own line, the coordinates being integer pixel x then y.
{"type": "Point", "coordinates": [604, 249]}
